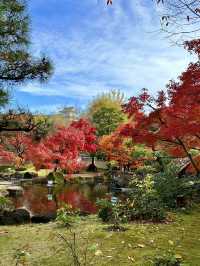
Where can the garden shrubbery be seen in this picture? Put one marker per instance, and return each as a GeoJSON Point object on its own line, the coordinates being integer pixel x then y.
{"type": "Point", "coordinates": [169, 186]}
{"type": "Point", "coordinates": [144, 170]}
{"type": "Point", "coordinates": [152, 195]}
{"type": "Point", "coordinates": [113, 212]}
{"type": "Point", "coordinates": [105, 209]}
{"type": "Point", "coordinates": [67, 215]}
{"type": "Point", "coordinates": [176, 192]}
{"type": "Point", "coordinates": [5, 204]}
{"type": "Point", "coordinates": [56, 177]}
{"type": "Point", "coordinates": [166, 260]}
{"type": "Point", "coordinates": [143, 204]}
{"type": "Point", "coordinates": [144, 201]}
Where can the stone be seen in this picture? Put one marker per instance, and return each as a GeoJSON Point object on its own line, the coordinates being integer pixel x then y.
{"type": "Point", "coordinates": [43, 218]}
{"type": "Point", "coordinates": [15, 190]}
{"type": "Point", "coordinates": [18, 216]}
{"type": "Point", "coordinates": [30, 175]}
{"type": "Point", "coordinates": [3, 193]}
{"type": "Point", "coordinates": [17, 175]}
{"type": "Point", "coordinates": [21, 216]}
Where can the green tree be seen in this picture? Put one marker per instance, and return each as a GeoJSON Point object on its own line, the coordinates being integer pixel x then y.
{"type": "Point", "coordinates": [107, 119]}
{"type": "Point", "coordinates": [17, 65]}
{"type": "Point", "coordinates": [113, 99]}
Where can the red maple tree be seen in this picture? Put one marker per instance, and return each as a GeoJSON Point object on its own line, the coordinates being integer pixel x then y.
{"type": "Point", "coordinates": [171, 119]}
{"type": "Point", "coordinates": [13, 149]}
{"type": "Point", "coordinates": [61, 150]}
{"type": "Point", "coordinates": [83, 125]}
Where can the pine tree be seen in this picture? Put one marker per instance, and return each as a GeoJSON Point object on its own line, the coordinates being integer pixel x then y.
{"type": "Point", "coordinates": [17, 65]}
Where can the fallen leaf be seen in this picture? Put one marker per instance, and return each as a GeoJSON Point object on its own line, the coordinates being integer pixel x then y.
{"type": "Point", "coordinates": [178, 257]}
{"type": "Point", "coordinates": [131, 258]}
{"type": "Point", "coordinates": [141, 245]}
{"type": "Point", "coordinates": [3, 232]}
{"type": "Point", "coordinates": [98, 253]}
{"type": "Point", "coordinates": [171, 242]}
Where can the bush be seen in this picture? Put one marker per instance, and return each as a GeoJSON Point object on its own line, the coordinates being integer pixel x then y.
{"type": "Point", "coordinates": [6, 204]}
{"type": "Point", "coordinates": [168, 186]}
{"type": "Point", "coordinates": [66, 215]}
{"type": "Point", "coordinates": [191, 188]}
{"type": "Point", "coordinates": [148, 207]}
{"type": "Point", "coordinates": [112, 166]}
{"type": "Point", "coordinates": [144, 201]}
{"type": "Point", "coordinates": [144, 170]}
{"type": "Point", "coordinates": [165, 189]}
{"type": "Point", "coordinates": [114, 213]}
{"type": "Point", "coordinates": [57, 177]}
{"type": "Point", "coordinates": [105, 209]}
{"type": "Point", "coordinates": [167, 259]}
{"type": "Point", "coordinates": [174, 191]}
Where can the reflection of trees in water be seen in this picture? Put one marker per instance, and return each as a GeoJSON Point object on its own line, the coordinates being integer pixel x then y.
{"type": "Point", "coordinates": [77, 200]}
{"type": "Point", "coordinates": [79, 196]}
{"type": "Point", "coordinates": [83, 197]}
{"type": "Point", "coordinates": [35, 199]}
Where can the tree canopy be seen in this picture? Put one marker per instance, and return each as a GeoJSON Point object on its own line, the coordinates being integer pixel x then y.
{"type": "Point", "coordinates": [17, 64]}
{"type": "Point", "coordinates": [172, 120]}
{"type": "Point", "coordinates": [106, 120]}
{"type": "Point", "coordinates": [105, 111]}
{"type": "Point", "coordinates": [112, 99]}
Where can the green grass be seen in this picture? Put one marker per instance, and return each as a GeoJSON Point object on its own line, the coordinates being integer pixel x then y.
{"type": "Point", "coordinates": [132, 247]}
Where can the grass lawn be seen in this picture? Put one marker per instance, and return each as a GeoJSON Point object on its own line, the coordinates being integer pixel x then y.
{"type": "Point", "coordinates": [132, 247]}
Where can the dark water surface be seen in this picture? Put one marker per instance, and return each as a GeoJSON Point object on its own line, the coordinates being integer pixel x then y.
{"type": "Point", "coordinates": [41, 200]}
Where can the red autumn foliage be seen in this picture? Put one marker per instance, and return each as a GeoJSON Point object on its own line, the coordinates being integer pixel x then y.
{"type": "Point", "coordinates": [89, 134]}
{"type": "Point", "coordinates": [77, 200]}
{"type": "Point", "coordinates": [62, 149]}
{"type": "Point", "coordinates": [190, 169]}
{"type": "Point", "coordinates": [5, 156]}
{"type": "Point", "coordinates": [171, 119]}
{"type": "Point", "coordinates": [14, 149]}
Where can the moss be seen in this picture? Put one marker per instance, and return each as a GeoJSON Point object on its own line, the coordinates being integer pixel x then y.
{"type": "Point", "coordinates": [132, 247]}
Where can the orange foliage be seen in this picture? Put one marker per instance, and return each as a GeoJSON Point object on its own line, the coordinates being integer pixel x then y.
{"type": "Point", "coordinates": [118, 149]}
{"type": "Point", "coordinates": [190, 169]}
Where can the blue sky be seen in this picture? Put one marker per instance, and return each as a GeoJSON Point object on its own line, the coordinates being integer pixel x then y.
{"type": "Point", "coordinates": [96, 48]}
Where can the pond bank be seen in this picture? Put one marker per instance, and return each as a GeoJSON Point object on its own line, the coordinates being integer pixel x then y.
{"type": "Point", "coordinates": [12, 182]}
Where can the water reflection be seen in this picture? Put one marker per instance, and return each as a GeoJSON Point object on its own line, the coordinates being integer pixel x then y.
{"type": "Point", "coordinates": [43, 200]}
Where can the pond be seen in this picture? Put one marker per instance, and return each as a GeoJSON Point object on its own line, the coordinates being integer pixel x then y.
{"type": "Point", "coordinates": [43, 201]}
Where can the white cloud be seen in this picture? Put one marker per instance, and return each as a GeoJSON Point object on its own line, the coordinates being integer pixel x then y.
{"type": "Point", "coordinates": [109, 47]}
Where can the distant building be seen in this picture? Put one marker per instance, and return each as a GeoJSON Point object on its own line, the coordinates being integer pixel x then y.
{"type": "Point", "coordinates": [69, 113]}
{"type": "Point", "coordinates": [64, 117]}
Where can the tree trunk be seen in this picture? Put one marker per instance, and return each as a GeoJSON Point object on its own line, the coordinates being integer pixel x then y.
{"type": "Point", "coordinates": [92, 167]}
{"type": "Point", "coordinates": [190, 157]}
